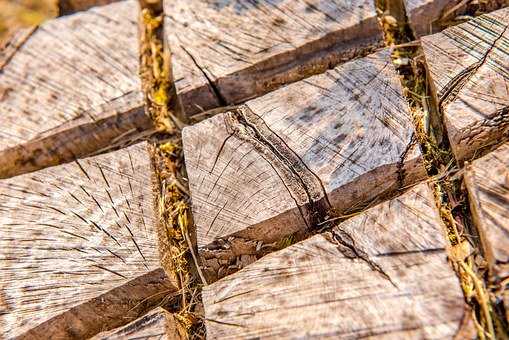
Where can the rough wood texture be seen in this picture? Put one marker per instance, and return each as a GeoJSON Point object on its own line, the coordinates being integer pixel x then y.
{"type": "Point", "coordinates": [431, 16]}
{"type": "Point", "coordinates": [487, 181]}
{"type": "Point", "coordinates": [71, 234]}
{"type": "Point", "coordinates": [381, 274]}
{"type": "Point", "coordinates": [70, 6]}
{"type": "Point", "coordinates": [282, 162]}
{"type": "Point", "coordinates": [71, 88]}
{"type": "Point", "coordinates": [468, 65]}
{"type": "Point", "coordinates": [423, 15]}
{"type": "Point", "coordinates": [247, 48]}
{"type": "Point", "coordinates": [152, 326]}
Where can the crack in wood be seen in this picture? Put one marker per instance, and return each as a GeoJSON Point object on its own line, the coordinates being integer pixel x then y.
{"type": "Point", "coordinates": [480, 130]}
{"type": "Point", "coordinates": [454, 86]}
{"type": "Point", "coordinates": [304, 186]}
{"type": "Point", "coordinates": [346, 245]}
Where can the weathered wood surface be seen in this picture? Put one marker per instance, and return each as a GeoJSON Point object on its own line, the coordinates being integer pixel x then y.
{"type": "Point", "coordinates": [423, 15]}
{"type": "Point", "coordinates": [431, 16]}
{"type": "Point", "coordinates": [487, 181]}
{"type": "Point", "coordinates": [70, 6]}
{"type": "Point", "coordinates": [381, 274]}
{"type": "Point", "coordinates": [468, 66]}
{"type": "Point", "coordinates": [78, 248]}
{"type": "Point", "coordinates": [282, 162]}
{"type": "Point", "coordinates": [70, 89]}
{"type": "Point", "coordinates": [247, 48]}
{"type": "Point", "coordinates": [152, 326]}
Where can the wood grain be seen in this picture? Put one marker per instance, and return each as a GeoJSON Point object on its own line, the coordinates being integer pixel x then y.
{"type": "Point", "coordinates": [71, 89]}
{"type": "Point", "coordinates": [468, 66]}
{"type": "Point", "coordinates": [78, 246]}
{"type": "Point", "coordinates": [487, 181]}
{"type": "Point", "coordinates": [286, 161]}
{"type": "Point", "coordinates": [381, 274]}
{"type": "Point", "coordinates": [152, 326]}
{"type": "Point", "coordinates": [247, 48]}
{"type": "Point", "coordinates": [431, 16]}
{"type": "Point", "coordinates": [423, 15]}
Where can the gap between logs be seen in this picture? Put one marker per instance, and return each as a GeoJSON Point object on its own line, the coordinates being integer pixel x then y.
{"type": "Point", "coordinates": [175, 240]}
{"type": "Point", "coordinates": [464, 249]}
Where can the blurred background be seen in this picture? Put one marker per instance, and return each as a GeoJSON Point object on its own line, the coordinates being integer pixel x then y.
{"type": "Point", "coordinates": [15, 14]}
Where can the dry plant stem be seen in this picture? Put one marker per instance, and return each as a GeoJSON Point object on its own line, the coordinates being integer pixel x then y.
{"type": "Point", "coordinates": [163, 106]}
{"type": "Point", "coordinates": [464, 249]}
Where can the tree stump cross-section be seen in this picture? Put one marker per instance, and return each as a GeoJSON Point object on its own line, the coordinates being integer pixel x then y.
{"type": "Point", "coordinates": [487, 181]}
{"type": "Point", "coordinates": [72, 89]}
{"type": "Point", "coordinates": [75, 78]}
{"type": "Point", "coordinates": [470, 79]}
{"type": "Point", "coordinates": [284, 162]}
{"type": "Point", "coordinates": [381, 274]}
{"type": "Point", "coordinates": [237, 50]}
{"type": "Point", "coordinates": [78, 247]}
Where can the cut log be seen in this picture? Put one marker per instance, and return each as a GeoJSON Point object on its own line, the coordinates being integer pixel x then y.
{"type": "Point", "coordinates": [287, 161]}
{"type": "Point", "coordinates": [381, 274]}
{"type": "Point", "coordinates": [247, 48]}
{"type": "Point", "coordinates": [71, 89]}
{"type": "Point", "coordinates": [487, 181]}
{"type": "Point", "coordinates": [152, 326]}
{"type": "Point", "coordinates": [78, 248]}
{"type": "Point", "coordinates": [468, 66]}
{"type": "Point", "coordinates": [424, 15]}
{"type": "Point", "coordinates": [71, 6]}
{"type": "Point", "coordinates": [431, 16]}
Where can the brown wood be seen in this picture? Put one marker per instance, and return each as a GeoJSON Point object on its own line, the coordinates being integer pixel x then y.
{"type": "Point", "coordinates": [487, 181]}
{"type": "Point", "coordinates": [424, 15]}
{"type": "Point", "coordinates": [152, 326]}
{"type": "Point", "coordinates": [381, 274]}
{"type": "Point", "coordinates": [78, 249]}
{"type": "Point", "coordinates": [248, 48]}
{"type": "Point", "coordinates": [431, 16]}
{"type": "Point", "coordinates": [71, 6]}
{"type": "Point", "coordinates": [70, 89]}
{"type": "Point", "coordinates": [468, 66]}
{"type": "Point", "coordinates": [289, 160]}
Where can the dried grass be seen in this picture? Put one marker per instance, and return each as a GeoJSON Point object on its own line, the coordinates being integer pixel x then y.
{"type": "Point", "coordinates": [464, 250]}
{"type": "Point", "coordinates": [175, 242]}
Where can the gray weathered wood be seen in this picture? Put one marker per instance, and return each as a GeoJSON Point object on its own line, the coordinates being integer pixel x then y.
{"type": "Point", "coordinates": [381, 274]}
{"type": "Point", "coordinates": [468, 66]}
{"type": "Point", "coordinates": [78, 248]}
{"type": "Point", "coordinates": [247, 48]}
{"type": "Point", "coordinates": [152, 326]}
{"type": "Point", "coordinates": [286, 161]}
{"type": "Point", "coordinates": [487, 181]}
{"type": "Point", "coordinates": [70, 89]}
